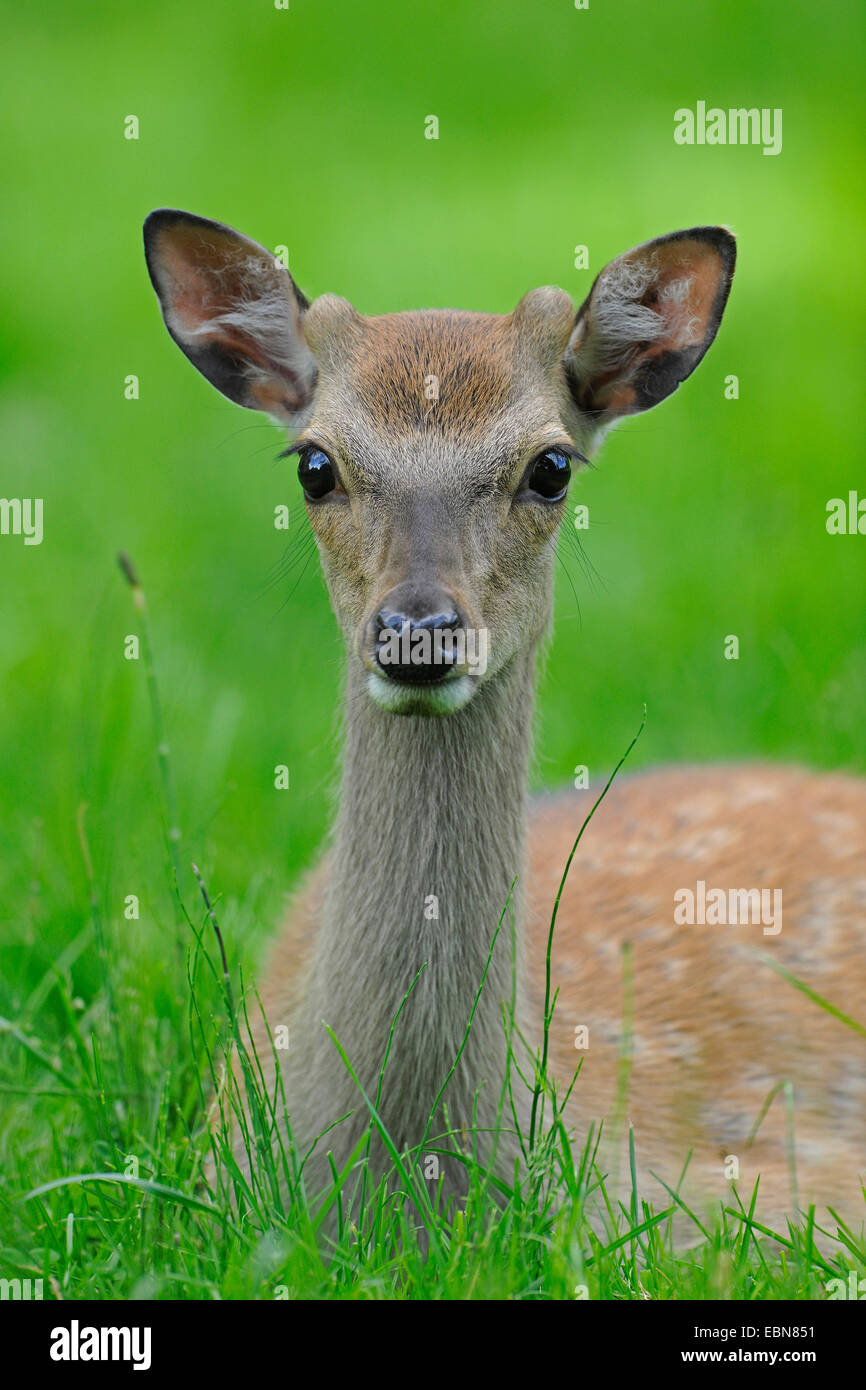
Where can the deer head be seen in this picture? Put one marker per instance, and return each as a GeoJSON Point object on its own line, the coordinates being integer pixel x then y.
{"type": "Point", "coordinates": [435, 448]}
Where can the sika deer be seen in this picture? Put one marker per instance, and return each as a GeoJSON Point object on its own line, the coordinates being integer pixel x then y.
{"type": "Point", "coordinates": [435, 450]}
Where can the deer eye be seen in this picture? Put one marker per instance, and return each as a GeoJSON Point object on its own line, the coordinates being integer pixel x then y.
{"type": "Point", "coordinates": [316, 473]}
{"type": "Point", "coordinates": [549, 475]}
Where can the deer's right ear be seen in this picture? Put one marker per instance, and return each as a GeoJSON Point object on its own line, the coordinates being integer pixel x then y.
{"type": "Point", "coordinates": [234, 310]}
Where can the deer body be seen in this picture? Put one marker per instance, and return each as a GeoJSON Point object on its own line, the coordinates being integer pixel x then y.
{"type": "Point", "coordinates": [435, 450]}
{"type": "Point", "coordinates": [714, 1028]}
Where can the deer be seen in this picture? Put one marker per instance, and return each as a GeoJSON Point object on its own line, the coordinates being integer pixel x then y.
{"type": "Point", "coordinates": [435, 453]}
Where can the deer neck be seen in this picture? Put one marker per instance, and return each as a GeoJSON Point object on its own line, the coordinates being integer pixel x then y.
{"type": "Point", "coordinates": [428, 841]}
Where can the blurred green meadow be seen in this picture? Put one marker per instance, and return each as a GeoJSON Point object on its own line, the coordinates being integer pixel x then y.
{"type": "Point", "coordinates": [304, 127]}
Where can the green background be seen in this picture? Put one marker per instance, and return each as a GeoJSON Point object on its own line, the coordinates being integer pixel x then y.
{"type": "Point", "coordinates": [306, 128]}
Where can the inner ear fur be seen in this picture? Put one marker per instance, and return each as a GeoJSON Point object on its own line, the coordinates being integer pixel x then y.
{"type": "Point", "coordinates": [648, 320]}
{"type": "Point", "coordinates": [233, 310]}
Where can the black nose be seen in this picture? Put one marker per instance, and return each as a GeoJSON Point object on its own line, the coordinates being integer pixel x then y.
{"type": "Point", "coordinates": [416, 651]}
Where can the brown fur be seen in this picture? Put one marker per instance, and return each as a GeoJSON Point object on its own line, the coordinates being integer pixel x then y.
{"type": "Point", "coordinates": [470, 354]}
{"type": "Point", "coordinates": [715, 1029]}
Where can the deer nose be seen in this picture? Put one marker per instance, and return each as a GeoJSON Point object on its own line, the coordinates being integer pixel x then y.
{"type": "Point", "coordinates": [416, 651]}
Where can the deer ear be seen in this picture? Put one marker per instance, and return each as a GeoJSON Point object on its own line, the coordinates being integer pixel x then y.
{"type": "Point", "coordinates": [647, 322]}
{"type": "Point", "coordinates": [234, 310]}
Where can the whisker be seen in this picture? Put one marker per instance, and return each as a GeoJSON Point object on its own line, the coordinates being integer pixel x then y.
{"type": "Point", "coordinates": [285, 566]}
{"type": "Point", "coordinates": [296, 583]}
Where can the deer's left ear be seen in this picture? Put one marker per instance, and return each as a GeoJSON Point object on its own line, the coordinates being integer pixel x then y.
{"type": "Point", "coordinates": [647, 322]}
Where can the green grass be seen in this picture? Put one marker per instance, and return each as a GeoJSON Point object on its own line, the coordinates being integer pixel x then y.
{"type": "Point", "coordinates": [150, 1200]}
{"type": "Point", "coordinates": [305, 127]}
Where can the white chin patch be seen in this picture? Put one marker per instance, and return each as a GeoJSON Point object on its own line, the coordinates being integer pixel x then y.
{"type": "Point", "coordinates": [442, 698]}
